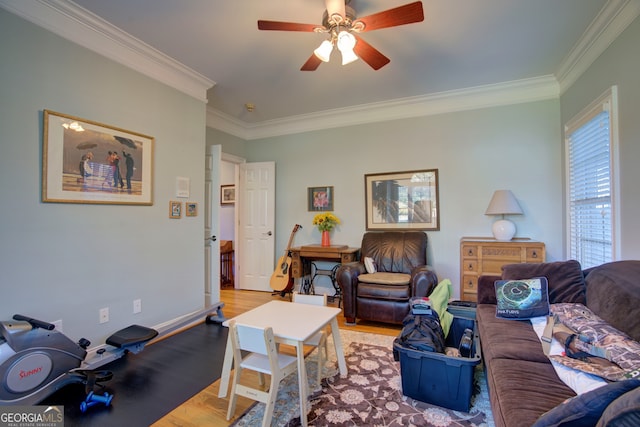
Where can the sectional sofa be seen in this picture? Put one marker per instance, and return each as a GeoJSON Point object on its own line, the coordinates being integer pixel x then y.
{"type": "Point", "coordinates": [523, 383]}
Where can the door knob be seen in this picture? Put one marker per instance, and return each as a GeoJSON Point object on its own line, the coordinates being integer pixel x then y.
{"type": "Point", "coordinates": [269, 233]}
{"type": "Point", "coordinates": [213, 238]}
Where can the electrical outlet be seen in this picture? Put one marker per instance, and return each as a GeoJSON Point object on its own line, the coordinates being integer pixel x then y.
{"type": "Point", "coordinates": [137, 306]}
{"type": "Point", "coordinates": [58, 325]}
{"type": "Point", "coordinates": [104, 315]}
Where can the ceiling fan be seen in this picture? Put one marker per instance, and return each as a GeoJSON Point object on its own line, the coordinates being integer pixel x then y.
{"type": "Point", "coordinates": [341, 25]}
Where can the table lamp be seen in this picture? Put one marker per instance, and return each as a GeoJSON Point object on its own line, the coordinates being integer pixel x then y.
{"type": "Point", "coordinates": [503, 203]}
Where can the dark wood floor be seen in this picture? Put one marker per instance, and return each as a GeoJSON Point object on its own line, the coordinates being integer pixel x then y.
{"type": "Point", "coordinates": [148, 385]}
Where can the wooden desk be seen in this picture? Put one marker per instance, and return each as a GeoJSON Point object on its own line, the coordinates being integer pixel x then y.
{"type": "Point", "coordinates": [303, 255]}
{"type": "Point", "coordinates": [285, 320]}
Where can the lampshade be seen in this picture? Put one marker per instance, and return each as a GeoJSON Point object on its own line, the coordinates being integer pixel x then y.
{"type": "Point", "coordinates": [323, 52]}
{"type": "Point", "coordinates": [346, 42]}
{"type": "Point", "coordinates": [503, 203]}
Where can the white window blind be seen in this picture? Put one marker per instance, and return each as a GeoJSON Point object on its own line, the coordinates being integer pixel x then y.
{"type": "Point", "coordinates": [590, 207]}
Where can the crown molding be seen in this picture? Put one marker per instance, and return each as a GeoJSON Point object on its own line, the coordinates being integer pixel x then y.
{"type": "Point", "coordinates": [68, 20]}
{"type": "Point", "coordinates": [78, 25]}
{"type": "Point", "coordinates": [507, 93]}
{"type": "Point", "coordinates": [612, 20]}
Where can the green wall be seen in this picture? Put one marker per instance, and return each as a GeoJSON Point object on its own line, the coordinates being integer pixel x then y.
{"type": "Point", "coordinates": [476, 152]}
{"type": "Point", "coordinates": [66, 261]}
{"type": "Point", "coordinates": [618, 65]}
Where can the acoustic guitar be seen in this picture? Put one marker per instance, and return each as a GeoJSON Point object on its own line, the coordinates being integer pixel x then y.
{"type": "Point", "coordinates": [281, 279]}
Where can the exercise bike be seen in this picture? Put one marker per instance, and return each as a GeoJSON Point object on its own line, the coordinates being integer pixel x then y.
{"type": "Point", "coordinates": [36, 360]}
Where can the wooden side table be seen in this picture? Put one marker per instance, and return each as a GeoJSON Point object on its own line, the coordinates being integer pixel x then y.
{"type": "Point", "coordinates": [302, 259]}
{"type": "Point", "coordinates": [484, 256]}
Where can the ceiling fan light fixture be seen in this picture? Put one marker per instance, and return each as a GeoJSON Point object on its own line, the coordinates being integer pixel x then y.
{"type": "Point", "coordinates": [346, 42]}
{"type": "Point", "coordinates": [323, 52]}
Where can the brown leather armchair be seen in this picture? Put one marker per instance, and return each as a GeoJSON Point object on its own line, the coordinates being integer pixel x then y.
{"type": "Point", "coordinates": [402, 273]}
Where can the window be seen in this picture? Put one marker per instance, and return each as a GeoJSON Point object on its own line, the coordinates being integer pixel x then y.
{"type": "Point", "coordinates": [590, 150]}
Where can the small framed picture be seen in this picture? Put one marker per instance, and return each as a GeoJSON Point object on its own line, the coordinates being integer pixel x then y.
{"type": "Point", "coordinates": [227, 194]}
{"type": "Point", "coordinates": [175, 210]}
{"type": "Point", "coordinates": [191, 209]}
{"type": "Point", "coordinates": [320, 199]}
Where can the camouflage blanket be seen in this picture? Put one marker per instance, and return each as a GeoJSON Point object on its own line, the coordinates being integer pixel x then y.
{"type": "Point", "coordinates": [622, 351]}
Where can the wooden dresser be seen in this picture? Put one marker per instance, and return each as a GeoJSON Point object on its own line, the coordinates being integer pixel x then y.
{"type": "Point", "coordinates": [486, 256]}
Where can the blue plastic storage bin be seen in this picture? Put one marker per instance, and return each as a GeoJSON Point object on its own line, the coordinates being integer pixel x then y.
{"type": "Point", "coordinates": [437, 378]}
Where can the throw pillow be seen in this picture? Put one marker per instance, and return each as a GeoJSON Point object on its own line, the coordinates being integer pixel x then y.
{"type": "Point", "coordinates": [439, 299]}
{"type": "Point", "coordinates": [587, 408]}
{"type": "Point", "coordinates": [370, 265]}
{"type": "Point", "coordinates": [522, 299]}
{"type": "Point", "coordinates": [624, 411]}
{"type": "Point", "coordinates": [565, 278]}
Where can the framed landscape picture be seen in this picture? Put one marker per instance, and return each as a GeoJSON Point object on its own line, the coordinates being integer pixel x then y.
{"type": "Point", "coordinates": [84, 161]}
{"type": "Point", "coordinates": [402, 200]}
{"type": "Point", "coordinates": [227, 194]}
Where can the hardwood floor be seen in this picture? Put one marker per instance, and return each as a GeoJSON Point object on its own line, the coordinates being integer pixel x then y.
{"type": "Point", "coordinates": [205, 408]}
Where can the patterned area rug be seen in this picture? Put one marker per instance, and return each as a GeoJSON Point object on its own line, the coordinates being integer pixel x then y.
{"type": "Point", "coordinates": [370, 395]}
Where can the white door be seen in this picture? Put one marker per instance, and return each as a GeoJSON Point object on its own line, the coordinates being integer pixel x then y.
{"type": "Point", "coordinates": [255, 203]}
{"type": "Point", "coordinates": [212, 225]}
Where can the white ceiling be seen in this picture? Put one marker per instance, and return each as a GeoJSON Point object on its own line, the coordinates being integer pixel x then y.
{"type": "Point", "coordinates": [462, 45]}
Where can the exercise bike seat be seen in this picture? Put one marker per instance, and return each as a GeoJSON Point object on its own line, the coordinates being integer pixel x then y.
{"type": "Point", "coordinates": [131, 336]}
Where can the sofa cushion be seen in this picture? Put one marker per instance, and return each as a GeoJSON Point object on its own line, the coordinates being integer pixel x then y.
{"type": "Point", "coordinates": [587, 408]}
{"type": "Point", "coordinates": [566, 280]}
{"type": "Point", "coordinates": [384, 292]}
{"type": "Point", "coordinates": [613, 293]}
{"type": "Point", "coordinates": [624, 411]}
{"type": "Point", "coordinates": [522, 390]}
{"type": "Point", "coordinates": [385, 278]}
{"type": "Point", "coordinates": [522, 298]}
{"type": "Point", "coordinates": [507, 339]}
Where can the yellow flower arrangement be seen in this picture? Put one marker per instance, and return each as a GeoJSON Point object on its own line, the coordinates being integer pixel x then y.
{"type": "Point", "coordinates": [325, 221]}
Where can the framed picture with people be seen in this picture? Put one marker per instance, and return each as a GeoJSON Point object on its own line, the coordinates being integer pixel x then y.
{"type": "Point", "coordinates": [84, 161]}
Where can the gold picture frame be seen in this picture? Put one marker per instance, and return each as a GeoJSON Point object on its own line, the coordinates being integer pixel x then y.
{"type": "Point", "coordinates": [84, 161]}
{"type": "Point", "coordinates": [190, 209]}
{"type": "Point", "coordinates": [175, 210]}
{"type": "Point", "coordinates": [402, 200]}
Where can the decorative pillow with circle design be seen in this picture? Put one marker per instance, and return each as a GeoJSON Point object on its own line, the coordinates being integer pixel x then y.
{"type": "Point", "coordinates": [522, 299]}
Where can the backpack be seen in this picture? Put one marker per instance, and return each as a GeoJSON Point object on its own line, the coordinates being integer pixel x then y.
{"type": "Point", "coordinates": [422, 332]}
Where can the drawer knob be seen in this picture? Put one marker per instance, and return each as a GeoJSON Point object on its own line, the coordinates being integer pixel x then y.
{"type": "Point", "coordinates": [470, 267]}
{"type": "Point", "coordinates": [470, 284]}
{"type": "Point", "coordinates": [470, 252]}
{"type": "Point", "coordinates": [535, 254]}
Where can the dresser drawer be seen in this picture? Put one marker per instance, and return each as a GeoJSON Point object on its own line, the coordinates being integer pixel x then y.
{"type": "Point", "coordinates": [502, 253]}
{"type": "Point", "coordinates": [470, 284]}
{"type": "Point", "coordinates": [469, 251]}
{"type": "Point", "coordinates": [535, 255]}
{"type": "Point", "coordinates": [470, 265]}
{"type": "Point", "coordinates": [494, 267]}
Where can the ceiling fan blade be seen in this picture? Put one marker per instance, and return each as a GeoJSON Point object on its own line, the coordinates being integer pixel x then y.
{"type": "Point", "coordinates": [286, 26]}
{"type": "Point", "coordinates": [312, 63]}
{"type": "Point", "coordinates": [407, 14]}
{"type": "Point", "coordinates": [335, 6]}
{"type": "Point", "coordinates": [370, 54]}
